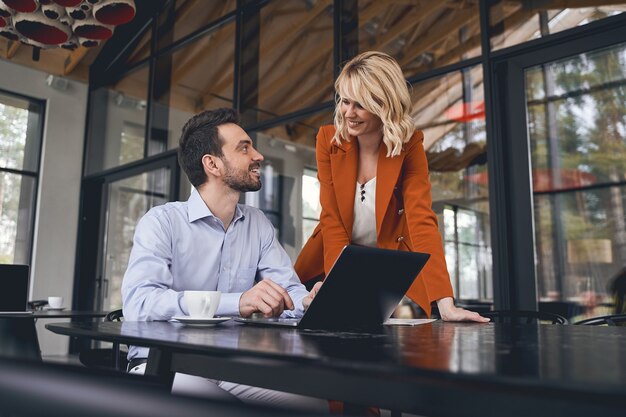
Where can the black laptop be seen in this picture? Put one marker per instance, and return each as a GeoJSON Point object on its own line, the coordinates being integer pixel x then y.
{"type": "Point", "coordinates": [362, 289]}
{"type": "Point", "coordinates": [14, 294]}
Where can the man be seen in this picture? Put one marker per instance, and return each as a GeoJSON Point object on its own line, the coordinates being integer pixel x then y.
{"type": "Point", "coordinates": [211, 242]}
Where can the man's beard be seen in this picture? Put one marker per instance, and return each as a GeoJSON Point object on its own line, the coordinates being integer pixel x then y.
{"type": "Point", "coordinates": [240, 180]}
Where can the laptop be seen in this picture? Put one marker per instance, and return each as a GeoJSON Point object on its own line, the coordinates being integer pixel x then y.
{"type": "Point", "coordinates": [14, 293]}
{"type": "Point", "coordinates": [361, 291]}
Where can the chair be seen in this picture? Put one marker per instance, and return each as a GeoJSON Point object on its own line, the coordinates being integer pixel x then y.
{"type": "Point", "coordinates": [524, 316]}
{"type": "Point", "coordinates": [29, 390]}
{"type": "Point", "coordinates": [566, 309]}
{"type": "Point", "coordinates": [618, 288]}
{"type": "Point", "coordinates": [105, 358]}
{"type": "Point", "coordinates": [611, 320]}
{"type": "Point", "coordinates": [36, 305]}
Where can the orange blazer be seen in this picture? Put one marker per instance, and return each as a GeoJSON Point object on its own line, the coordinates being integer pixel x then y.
{"type": "Point", "coordinates": [404, 216]}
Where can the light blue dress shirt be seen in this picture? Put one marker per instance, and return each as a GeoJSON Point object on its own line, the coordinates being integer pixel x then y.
{"type": "Point", "coordinates": [182, 246]}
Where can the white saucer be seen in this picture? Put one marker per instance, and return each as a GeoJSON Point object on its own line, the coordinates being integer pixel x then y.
{"type": "Point", "coordinates": [54, 308]}
{"type": "Point", "coordinates": [200, 321]}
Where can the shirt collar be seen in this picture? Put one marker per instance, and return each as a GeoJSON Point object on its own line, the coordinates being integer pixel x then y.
{"type": "Point", "coordinates": [197, 208]}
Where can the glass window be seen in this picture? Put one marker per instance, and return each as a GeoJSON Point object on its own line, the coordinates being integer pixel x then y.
{"type": "Point", "coordinates": [117, 122]}
{"type": "Point", "coordinates": [290, 151]}
{"type": "Point", "coordinates": [20, 148]}
{"type": "Point", "coordinates": [311, 207]}
{"type": "Point", "coordinates": [190, 16]}
{"type": "Point", "coordinates": [199, 76]}
{"type": "Point", "coordinates": [576, 114]}
{"type": "Point", "coordinates": [421, 36]}
{"type": "Point", "coordinates": [295, 62]}
{"type": "Point", "coordinates": [450, 111]}
{"type": "Point", "coordinates": [128, 200]}
{"type": "Point", "coordinates": [515, 22]}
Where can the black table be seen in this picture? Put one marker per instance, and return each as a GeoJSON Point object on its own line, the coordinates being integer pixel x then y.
{"type": "Point", "coordinates": [60, 314]}
{"type": "Point", "coordinates": [442, 369]}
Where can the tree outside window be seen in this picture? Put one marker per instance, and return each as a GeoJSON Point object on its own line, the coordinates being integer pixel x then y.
{"type": "Point", "coordinates": [20, 148]}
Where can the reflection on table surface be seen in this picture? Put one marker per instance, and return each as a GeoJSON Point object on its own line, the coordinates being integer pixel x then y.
{"type": "Point", "coordinates": [570, 355]}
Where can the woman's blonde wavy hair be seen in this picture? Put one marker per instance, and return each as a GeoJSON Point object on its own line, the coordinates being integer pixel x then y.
{"type": "Point", "coordinates": [375, 81]}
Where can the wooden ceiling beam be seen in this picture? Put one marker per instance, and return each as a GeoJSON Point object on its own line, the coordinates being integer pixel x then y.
{"type": "Point", "coordinates": [12, 47]}
{"type": "Point", "coordinates": [74, 59]}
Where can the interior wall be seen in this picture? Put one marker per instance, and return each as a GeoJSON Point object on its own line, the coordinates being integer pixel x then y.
{"type": "Point", "coordinates": [52, 264]}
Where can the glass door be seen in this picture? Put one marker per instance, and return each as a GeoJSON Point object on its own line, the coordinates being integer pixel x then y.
{"type": "Point", "coordinates": [127, 199]}
{"type": "Point", "coordinates": [576, 110]}
{"type": "Point", "coordinates": [559, 170]}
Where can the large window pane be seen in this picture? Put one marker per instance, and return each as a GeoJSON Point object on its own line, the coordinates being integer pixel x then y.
{"type": "Point", "coordinates": [577, 131]}
{"type": "Point", "coordinates": [128, 200]}
{"type": "Point", "coordinates": [450, 111]}
{"type": "Point", "coordinates": [515, 22]}
{"type": "Point", "coordinates": [420, 35]}
{"type": "Point", "coordinates": [199, 76]}
{"type": "Point", "coordinates": [289, 150]}
{"type": "Point", "coordinates": [20, 147]}
{"type": "Point", "coordinates": [17, 210]}
{"type": "Point", "coordinates": [117, 122]}
{"type": "Point", "coordinates": [190, 16]}
{"type": "Point", "coordinates": [296, 62]}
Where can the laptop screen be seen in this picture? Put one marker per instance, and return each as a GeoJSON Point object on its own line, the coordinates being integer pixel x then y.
{"type": "Point", "coordinates": [14, 282]}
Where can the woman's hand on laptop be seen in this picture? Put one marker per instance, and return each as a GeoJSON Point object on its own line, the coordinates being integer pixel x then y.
{"type": "Point", "coordinates": [450, 312]}
{"type": "Point", "coordinates": [306, 301]}
{"type": "Point", "coordinates": [267, 298]}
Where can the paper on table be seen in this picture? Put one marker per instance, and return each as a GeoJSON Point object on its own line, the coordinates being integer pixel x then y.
{"type": "Point", "coordinates": [408, 322]}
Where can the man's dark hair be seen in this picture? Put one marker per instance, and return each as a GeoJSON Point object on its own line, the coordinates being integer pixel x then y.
{"type": "Point", "coordinates": [200, 137]}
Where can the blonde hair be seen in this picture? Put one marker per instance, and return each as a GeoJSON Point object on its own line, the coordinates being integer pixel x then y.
{"type": "Point", "coordinates": [375, 81]}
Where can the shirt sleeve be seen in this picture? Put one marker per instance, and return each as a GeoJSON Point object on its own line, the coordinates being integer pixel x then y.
{"type": "Point", "coordinates": [146, 288]}
{"type": "Point", "coordinates": [275, 264]}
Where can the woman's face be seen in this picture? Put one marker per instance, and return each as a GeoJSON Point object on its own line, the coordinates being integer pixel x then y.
{"type": "Point", "coordinates": [359, 121]}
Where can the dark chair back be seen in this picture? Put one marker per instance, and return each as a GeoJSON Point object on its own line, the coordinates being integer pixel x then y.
{"type": "Point", "coordinates": [18, 339]}
{"type": "Point", "coordinates": [567, 309]}
{"type": "Point", "coordinates": [524, 316]}
{"type": "Point", "coordinates": [113, 358]}
{"type": "Point", "coordinates": [52, 390]}
{"type": "Point", "coordinates": [611, 320]}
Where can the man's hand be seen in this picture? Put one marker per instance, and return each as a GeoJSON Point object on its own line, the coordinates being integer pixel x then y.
{"type": "Point", "coordinates": [450, 312]}
{"type": "Point", "coordinates": [306, 301]}
{"type": "Point", "coordinates": [265, 297]}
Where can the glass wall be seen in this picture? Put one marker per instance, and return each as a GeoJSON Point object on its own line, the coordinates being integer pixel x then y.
{"type": "Point", "coordinates": [20, 148]}
{"type": "Point", "coordinates": [117, 122]}
{"type": "Point", "coordinates": [450, 110]}
{"type": "Point", "coordinates": [577, 132]}
{"type": "Point", "coordinates": [289, 54]}
{"type": "Point", "coordinates": [515, 22]}
{"type": "Point", "coordinates": [200, 78]}
{"type": "Point", "coordinates": [420, 35]}
{"type": "Point", "coordinates": [304, 45]}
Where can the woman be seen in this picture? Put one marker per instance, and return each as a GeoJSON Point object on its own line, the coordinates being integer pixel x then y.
{"type": "Point", "coordinates": [374, 186]}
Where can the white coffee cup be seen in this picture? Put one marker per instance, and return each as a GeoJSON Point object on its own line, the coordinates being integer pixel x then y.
{"type": "Point", "coordinates": [202, 304]}
{"type": "Point", "coordinates": [55, 302]}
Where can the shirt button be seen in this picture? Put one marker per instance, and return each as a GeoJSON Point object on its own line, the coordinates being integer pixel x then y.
{"type": "Point", "coordinates": [400, 239]}
{"type": "Point", "coordinates": [400, 212]}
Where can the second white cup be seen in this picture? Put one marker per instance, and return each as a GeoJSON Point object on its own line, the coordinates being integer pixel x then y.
{"type": "Point", "coordinates": [55, 302]}
{"type": "Point", "coordinates": [202, 304]}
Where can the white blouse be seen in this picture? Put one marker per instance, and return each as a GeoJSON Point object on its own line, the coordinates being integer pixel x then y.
{"type": "Point", "coordinates": [364, 225]}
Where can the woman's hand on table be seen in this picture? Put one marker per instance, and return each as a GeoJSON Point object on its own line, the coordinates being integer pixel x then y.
{"type": "Point", "coordinates": [449, 312]}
